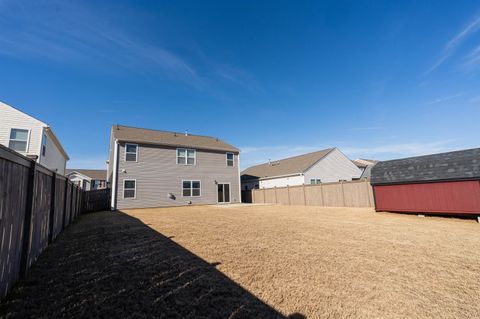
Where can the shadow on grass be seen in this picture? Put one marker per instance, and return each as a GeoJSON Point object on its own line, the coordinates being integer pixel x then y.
{"type": "Point", "coordinates": [112, 265]}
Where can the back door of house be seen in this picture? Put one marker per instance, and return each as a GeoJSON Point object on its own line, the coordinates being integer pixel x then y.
{"type": "Point", "coordinates": [223, 193]}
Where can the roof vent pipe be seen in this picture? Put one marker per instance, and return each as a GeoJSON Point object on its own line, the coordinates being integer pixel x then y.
{"type": "Point", "coordinates": [269, 162]}
{"type": "Point", "coordinates": [186, 132]}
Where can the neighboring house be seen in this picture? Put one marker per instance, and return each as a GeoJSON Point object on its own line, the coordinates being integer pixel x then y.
{"type": "Point", "coordinates": [446, 183]}
{"type": "Point", "coordinates": [88, 179]}
{"type": "Point", "coordinates": [151, 168]}
{"type": "Point", "coordinates": [365, 165]}
{"type": "Point", "coordinates": [329, 165]}
{"type": "Point", "coordinates": [32, 138]}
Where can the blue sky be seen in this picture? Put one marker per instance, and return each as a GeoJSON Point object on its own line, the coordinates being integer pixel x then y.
{"type": "Point", "coordinates": [378, 79]}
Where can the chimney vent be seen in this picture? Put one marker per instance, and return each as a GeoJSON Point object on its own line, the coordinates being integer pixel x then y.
{"type": "Point", "coordinates": [186, 132]}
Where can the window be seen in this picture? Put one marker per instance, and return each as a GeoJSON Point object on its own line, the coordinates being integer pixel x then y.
{"type": "Point", "coordinates": [314, 181]}
{"type": "Point", "coordinates": [229, 159]}
{"type": "Point", "coordinates": [186, 156]}
{"type": "Point", "coordinates": [191, 188]}
{"type": "Point", "coordinates": [18, 140]}
{"type": "Point", "coordinates": [44, 145]}
{"type": "Point", "coordinates": [129, 188]}
{"type": "Point", "coordinates": [131, 152]}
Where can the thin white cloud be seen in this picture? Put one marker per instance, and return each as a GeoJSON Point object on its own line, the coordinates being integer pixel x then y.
{"type": "Point", "coordinates": [451, 45]}
{"type": "Point", "coordinates": [444, 99]}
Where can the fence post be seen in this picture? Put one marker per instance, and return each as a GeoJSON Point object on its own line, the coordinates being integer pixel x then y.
{"type": "Point", "coordinates": [368, 194]}
{"type": "Point", "coordinates": [304, 195]}
{"type": "Point", "coordinates": [51, 221]}
{"type": "Point", "coordinates": [263, 193]}
{"type": "Point", "coordinates": [343, 195]}
{"type": "Point", "coordinates": [65, 197]}
{"type": "Point", "coordinates": [321, 193]}
{"type": "Point", "coordinates": [275, 189]}
{"type": "Point", "coordinates": [27, 222]}
{"type": "Point", "coordinates": [288, 194]}
{"type": "Point", "coordinates": [71, 205]}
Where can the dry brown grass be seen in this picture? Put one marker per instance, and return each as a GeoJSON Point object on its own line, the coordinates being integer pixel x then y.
{"type": "Point", "coordinates": [335, 262]}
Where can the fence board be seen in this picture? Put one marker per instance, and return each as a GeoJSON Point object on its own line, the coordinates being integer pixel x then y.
{"type": "Point", "coordinates": [13, 196]}
{"type": "Point", "coordinates": [59, 206]}
{"type": "Point", "coordinates": [341, 194]}
{"type": "Point", "coordinates": [31, 215]}
{"type": "Point", "coordinates": [40, 216]}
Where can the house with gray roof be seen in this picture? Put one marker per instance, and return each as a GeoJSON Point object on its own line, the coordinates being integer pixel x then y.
{"type": "Point", "coordinates": [324, 166]}
{"type": "Point", "coordinates": [153, 168]}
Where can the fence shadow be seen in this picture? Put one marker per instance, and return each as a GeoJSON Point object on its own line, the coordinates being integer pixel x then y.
{"type": "Point", "coordinates": [112, 265]}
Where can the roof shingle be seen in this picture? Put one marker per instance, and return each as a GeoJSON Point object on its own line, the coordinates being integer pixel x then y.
{"type": "Point", "coordinates": [96, 174]}
{"type": "Point", "coordinates": [287, 166]}
{"type": "Point", "coordinates": [458, 165]}
{"type": "Point", "coordinates": [149, 136]}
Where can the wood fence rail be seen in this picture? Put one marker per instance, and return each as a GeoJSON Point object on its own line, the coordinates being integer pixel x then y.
{"type": "Point", "coordinates": [341, 194]}
{"type": "Point", "coordinates": [36, 205]}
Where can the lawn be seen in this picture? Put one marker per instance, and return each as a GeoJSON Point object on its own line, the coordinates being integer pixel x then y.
{"type": "Point", "coordinates": [256, 261]}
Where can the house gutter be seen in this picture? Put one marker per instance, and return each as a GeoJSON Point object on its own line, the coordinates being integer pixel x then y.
{"type": "Point", "coordinates": [113, 204]}
{"type": "Point", "coordinates": [239, 180]}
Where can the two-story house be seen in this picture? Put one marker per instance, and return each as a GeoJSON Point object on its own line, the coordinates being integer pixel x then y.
{"type": "Point", "coordinates": [151, 168]}
{"type": "Point", "coordinates": [32, 138]}
{"type": "Point", "coordinates": [325, 166]}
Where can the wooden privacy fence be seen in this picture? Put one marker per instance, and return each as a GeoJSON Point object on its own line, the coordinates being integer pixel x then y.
{"type": "Point", "coordinates": [36, 205]}
{"type": "Point", "coordinates": [341, 194]}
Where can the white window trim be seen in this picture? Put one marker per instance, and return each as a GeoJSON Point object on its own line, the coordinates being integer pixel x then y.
{"type": "Point", "coordinates": [136, 153]}
{"type": "Point", "coordinates": [230, 193]}
{"type": "Point", "coordinates": [135, 189]}
{"type": "Point", "coordinates": [186, 156]}
{"type": "Point", "coordinates": [191, 188]}
{"type": "Point", "coordinates": [226, 159]}
{"type": "Point", "coordinates": [315, 181]}
{"type": "Point", "coordinates": [44, 140]}
{"type": "Point", "coordinates": [28, 138]}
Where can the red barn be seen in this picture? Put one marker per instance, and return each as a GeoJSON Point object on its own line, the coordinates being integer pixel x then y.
{"type": "Point", "coordinates": [446, 183]}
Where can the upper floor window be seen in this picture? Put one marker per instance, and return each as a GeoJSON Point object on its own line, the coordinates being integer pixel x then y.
{"type": "Point", "coordinates": [229, 159]}
{"type": "Point", "coordinates": [18, 140]}
{"type": "Point", "coordinates": [131, 152]}
{"type": "Point", "coordinates": [44, 144]}
{"type": "Point", "coordinates": [314, 181]}
{"type": "Point", "coordinates": [186, 156]}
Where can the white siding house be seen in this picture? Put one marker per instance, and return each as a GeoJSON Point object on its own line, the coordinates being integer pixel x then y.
{"type": "Point", "coordinates": [324, 166]}
{"type": "Point", "coordinates": [31, 137]}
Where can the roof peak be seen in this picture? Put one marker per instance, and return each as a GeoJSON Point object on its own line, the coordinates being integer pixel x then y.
{"type": "Point", "coordinates": [163, 131]}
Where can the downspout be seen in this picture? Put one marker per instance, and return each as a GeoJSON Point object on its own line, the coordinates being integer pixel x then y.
{"type": "Point", "coordinates": [113, 204]}
{"type": "Point", "coordinates": [239, 180]}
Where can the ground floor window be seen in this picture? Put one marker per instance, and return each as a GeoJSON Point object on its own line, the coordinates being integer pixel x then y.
{"type": "Point", "coordinates": [129, 188]}
{"type": "Point", "coordinates": [314, 181]}
{"type": "Point", "coordinates": [191, 188]}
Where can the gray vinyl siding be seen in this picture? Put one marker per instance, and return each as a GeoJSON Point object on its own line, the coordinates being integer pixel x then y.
{"type": "Point", "coordinates": [157, 174]}
{"type": "Point", "coordinates": [333, 168]}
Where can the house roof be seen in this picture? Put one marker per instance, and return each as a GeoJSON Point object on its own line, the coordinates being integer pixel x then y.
{"type": "Point", "coordinates": [96, 174]}
{"type": "Point", "coordinates": [288, 166]}
{"type": "Point", "coordinates": [149, 136]}
{"type": "Point", "coordinates": [458, 165]}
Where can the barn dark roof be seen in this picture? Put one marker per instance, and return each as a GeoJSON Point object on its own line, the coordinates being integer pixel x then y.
{"type": "Point", "coordinates": [458, 165]}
